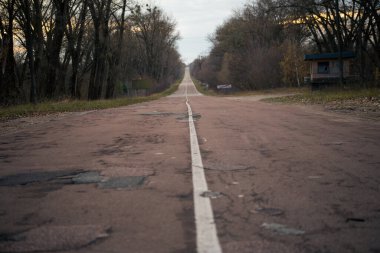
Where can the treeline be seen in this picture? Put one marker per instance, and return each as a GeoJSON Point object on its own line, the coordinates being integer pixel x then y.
{"type": "Point", "coordinates": [263, 44]}
{"type": "Point", "coordinates": [83, 49]}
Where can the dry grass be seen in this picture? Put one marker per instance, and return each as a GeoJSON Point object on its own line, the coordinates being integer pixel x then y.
{"type": "Point", "coordinates": [202, 89]}
{"type": "Point", "coordinates": [210, 92]}
{"type": "Point", "coordinates": [364, 102]}
{"type": "Point", "coordinates": [276, 91]}
{"type": "Point", "coordinates": [77, 105]}
{"type": "Point", "coordinates": [328, 96]}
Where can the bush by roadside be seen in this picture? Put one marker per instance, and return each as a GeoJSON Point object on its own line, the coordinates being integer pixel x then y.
{"type": "Point", "coordinates": [210, 92]}
{"type": "Point", "coordinates": [202, 89]}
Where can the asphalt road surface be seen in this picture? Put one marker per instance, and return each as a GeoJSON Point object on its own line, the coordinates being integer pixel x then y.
{"type": "Point", "coordinates": [280, 179]}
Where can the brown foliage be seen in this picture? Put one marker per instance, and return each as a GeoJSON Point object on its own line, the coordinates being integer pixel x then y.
{"type": "Point", "coordinates": [82, 48]}
{"type": "Point", "coordinates": [262, 45]}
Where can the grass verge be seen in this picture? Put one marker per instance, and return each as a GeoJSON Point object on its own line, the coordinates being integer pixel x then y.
{"type": "Point", "coordinates": [329, 96]}
{"type": "Point", "coordinates": [202, 89]}
{"type": "Point", "coordinates": [363, 102]}
{"type": "Point", "coordinates": [210, 92]}
{"type": "Point", "coordinates": [275, 91]}
{"type": "Point", "coordinates": [44, 108]}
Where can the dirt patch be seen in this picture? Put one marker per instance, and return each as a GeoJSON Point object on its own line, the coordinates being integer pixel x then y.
{"type": "Point", "coordinates": [358, 103]}
{"type": "Point", "coordinates": [8, 126]}
{"type": "Point", "coordinates": [258, 97]}
{"type": "Point", "coordinates": [365, 107]}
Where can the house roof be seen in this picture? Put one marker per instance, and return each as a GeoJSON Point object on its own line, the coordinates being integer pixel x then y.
{"type": "Point", "coordinates": [328, 56]}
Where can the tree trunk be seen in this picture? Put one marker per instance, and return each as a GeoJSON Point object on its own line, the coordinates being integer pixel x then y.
{"type": "Point", "coordinates": [56, 44]}
{"type": "Point", "coordinates": [39, 45]}
{"type": "Point", "coordinates": [30, 51]}
{"type": "Point", "coordinates": [114, 73]}
{"type": "Point", "coordinates": [9, 90]}
{"type": "Point", "coordinates": [99, 73]}
{"type": "Point", "coordinates": [76, 52]}
{"type": "Point", "coordinates": [340, 42]}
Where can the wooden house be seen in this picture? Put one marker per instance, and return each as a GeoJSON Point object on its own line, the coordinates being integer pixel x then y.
{"type": "Point", "coordinates": [324, 68]}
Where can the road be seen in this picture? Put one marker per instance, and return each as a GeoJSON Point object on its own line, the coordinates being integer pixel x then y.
{"type": "Point", "coordinates": [280, 178]}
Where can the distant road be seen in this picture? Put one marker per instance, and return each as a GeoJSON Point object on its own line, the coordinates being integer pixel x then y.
{"type": "Point", "coordinates": [186, 89]}
{"type": "Point", "coordinates": [280, 178]}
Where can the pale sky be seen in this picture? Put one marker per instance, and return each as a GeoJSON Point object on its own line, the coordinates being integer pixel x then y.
{"type": "Point", "coordinates": [196, 20]}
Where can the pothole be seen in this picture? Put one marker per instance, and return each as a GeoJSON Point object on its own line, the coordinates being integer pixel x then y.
{"type": "Point", "coordinates": [53, 238]}
{"type": "Point", "coordinates": [282, 229]}
{"type": "Point", "coordinates": [37, 176]}
{"type": "Point", "coordinates": [122, 182]}
{"type": "Point", "coordinates": [180, 117]}
{"type": "Point", "coordinates": [87, 178]}
{"type": "Point", "coordinates": [211, 195]}
{"type": "Point", "coordinates": [54, 180]}
{"type": "Point", "coordinates": [268, 211]}
{"type": "Point", "coordinates": [224, 167]}
{"type": "Point", "coordinates": [355, 220]}
{"type": "Point", "coordinates": [156, 113]}
{"type": "Point", "coordinates": [185, 117]}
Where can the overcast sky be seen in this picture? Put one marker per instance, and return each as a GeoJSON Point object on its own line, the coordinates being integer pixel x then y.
{"type": "Point", "coordinates": [196, 19]}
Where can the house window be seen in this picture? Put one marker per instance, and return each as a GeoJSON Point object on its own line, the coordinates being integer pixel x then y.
{"type": "Point", "coordinates": [323, 67]}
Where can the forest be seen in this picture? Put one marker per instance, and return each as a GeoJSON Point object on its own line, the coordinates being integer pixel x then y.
{"type": "Point", "coordinates": [83, 49]}
{"type": "Point", "coordinates": [262, 45]}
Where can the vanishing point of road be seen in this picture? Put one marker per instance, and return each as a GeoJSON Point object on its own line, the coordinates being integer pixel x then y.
{"type": "Point", "coordinates": [191, 173]}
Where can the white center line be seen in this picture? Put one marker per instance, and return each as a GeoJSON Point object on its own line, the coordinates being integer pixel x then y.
{"type": "Point", "coordinates": [207, 239]}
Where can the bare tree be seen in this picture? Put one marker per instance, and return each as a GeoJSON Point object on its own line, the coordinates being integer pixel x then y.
{"type": "Point", "coordinates": [59, 10]}
{"type": "Point", "coordinates": [101, 13]}
{"type": "Point", "coordinates": [157, 35]}
{"type": "Point", "coordinates": [253, 41]}
{"type": "Point", "coordinates": [114, 62]}
{"type": "Point", "coordinates": [67, 43]}
{"type": "Point", "coordinates": [9, 86]}
{"type": "Point", "coordinates": [74, 33]}
{"type": "Point", "coordinates": [340, 25]}
{"type": "Point", "coordinates": [25, 20]}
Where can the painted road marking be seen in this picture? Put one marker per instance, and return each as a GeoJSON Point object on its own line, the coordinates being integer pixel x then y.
{"type": "Point", "coordinates": [207, 239]}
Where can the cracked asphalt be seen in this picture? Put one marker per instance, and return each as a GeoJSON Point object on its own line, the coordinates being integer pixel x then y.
{"type": "Point", "coordinates": [282, 178]}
